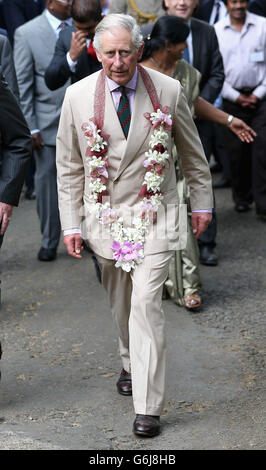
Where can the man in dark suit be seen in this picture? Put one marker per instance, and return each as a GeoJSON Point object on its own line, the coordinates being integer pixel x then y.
{"type": "Point", "coordinates": [15, 145]}
{"type": "Point", "coordinates": [258, 7]}
{"type": "Point", "coordinates": [18, 12]}
{"type": "Point", "coordinates": [203, 47]}
{"type": "Point", "coordinates": [74, 56]}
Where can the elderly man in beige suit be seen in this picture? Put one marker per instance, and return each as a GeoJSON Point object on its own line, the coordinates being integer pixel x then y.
{"type": "Point", "coordinates": [116, 173]}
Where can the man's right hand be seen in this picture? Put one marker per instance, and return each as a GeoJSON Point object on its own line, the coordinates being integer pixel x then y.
{"type": "Point", "coordinates": [78, 42]}
{"type": "Point", "coordinates": [247, 101]}
{"type": "Point", "coordinates": [37, 143]}
{"type": "Point", "coordinates": [73, 244]}
{"type": "Point", "coordinates": [5, 215]}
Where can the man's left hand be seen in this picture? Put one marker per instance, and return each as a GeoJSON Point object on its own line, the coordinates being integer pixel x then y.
{"type": "Point", "coordinates": [5, 214]}
{"type": "Point", "coordinates": [200, 221]}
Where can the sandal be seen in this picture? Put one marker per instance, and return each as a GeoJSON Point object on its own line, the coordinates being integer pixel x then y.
{"type": "Point", "coordinates": [192, 301]}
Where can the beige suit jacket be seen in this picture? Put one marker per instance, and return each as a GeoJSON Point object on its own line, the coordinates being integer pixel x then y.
{"type": "Point", "coordinates": [126, 171]}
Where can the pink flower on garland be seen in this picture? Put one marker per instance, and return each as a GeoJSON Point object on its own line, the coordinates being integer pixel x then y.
{"type": "Point", "coordinates": [126, 252]}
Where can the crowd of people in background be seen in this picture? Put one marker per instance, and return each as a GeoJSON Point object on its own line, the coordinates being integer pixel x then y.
{"type": "Point", "coordinates": [46, 45]}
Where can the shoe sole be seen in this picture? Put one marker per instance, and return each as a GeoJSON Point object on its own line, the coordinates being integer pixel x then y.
{"type": "Point", "coordinates": [126, 394]}
{"type": "Point", "coordinates": [146, 434]}
{"type": "Point", "coordinates": [209, 264]}
{"type": "Point", "coordinates": [193, 309]}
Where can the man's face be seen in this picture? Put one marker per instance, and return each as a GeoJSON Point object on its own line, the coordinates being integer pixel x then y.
{"type": "Point", "coordinates": [118, 55]}
{"type": "Point", "coordinates": [181, 8]}
{"type": "Point", "coordinates": [88, 27]}
{"type": "Point", "coordinates": [237, 9]}
{"type": "Point", "coordinates": [59, 8]}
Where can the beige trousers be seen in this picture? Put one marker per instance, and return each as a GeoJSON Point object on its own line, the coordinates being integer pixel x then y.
{"type": "Point", "coordinates": [136, 304]}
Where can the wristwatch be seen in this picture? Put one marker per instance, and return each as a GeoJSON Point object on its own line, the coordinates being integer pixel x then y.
{"type": "Point", "coordinates": [230, 119]}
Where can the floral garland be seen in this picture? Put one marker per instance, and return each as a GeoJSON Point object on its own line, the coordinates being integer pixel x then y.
{"type": "Point", "coordinates": [128, 242]}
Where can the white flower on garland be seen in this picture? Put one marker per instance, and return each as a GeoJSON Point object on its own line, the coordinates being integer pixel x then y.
{"type": "Point", "coordinates": [94, 162]}
{"type": "Point", "coordinates": [155, 156]}
{"type": "Point", "coordinates": [159, 137]}
{"type": "Point", "coordinates": [153, 181]}
{"type": "Point", "coordinates": [160, 118]}
{"type": "Point", "coordinates": [96, 187]}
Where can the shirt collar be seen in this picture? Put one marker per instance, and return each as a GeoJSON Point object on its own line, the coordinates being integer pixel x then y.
{"type": "Point", "coordinates": [55, 22]}
{"type": "Point", "coordinates": [132, 84]}
{"type": "Point", "coordinates": [249, 20]}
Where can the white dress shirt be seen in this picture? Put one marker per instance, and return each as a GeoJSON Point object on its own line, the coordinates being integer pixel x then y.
{"type": "Point", "coordinates": [244, 56]}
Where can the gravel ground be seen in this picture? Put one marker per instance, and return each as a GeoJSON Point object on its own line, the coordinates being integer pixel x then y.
{"type": "Point", "coordinates": [60, 360]}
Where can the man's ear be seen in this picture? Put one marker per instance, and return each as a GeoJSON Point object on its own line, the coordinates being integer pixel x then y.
{"type": "Point", "coordinates": [98, 55]}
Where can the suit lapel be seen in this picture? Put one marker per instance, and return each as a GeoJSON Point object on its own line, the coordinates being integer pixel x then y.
{"type": "Point", "coordinates": [47, 35]}
{"type": "Point", "coordinates": [195, 44]}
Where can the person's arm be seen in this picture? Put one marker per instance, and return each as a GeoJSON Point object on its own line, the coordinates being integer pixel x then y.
{"type": "Point", "coordinates": [16, 152]}
{"type": "Point", "coordinates": [194, 165]}
{"type": "Point", "coordinates": [24, 65]}
{"type": "Point", "coordinates": [7, 65]}
{"type": "Point", "coordinates": [58, 71]}
{"type": "Point", "coordinates": [207, 111]}
{"type": "Point", "coordinates": [70, 178]}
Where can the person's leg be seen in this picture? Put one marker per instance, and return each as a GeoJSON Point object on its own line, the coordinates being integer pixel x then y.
{"type": "Point", "coordinates": [146, 334]}
{"type": "Point", "coordinates": [184, 276]}
{"type": "Point", "coordinates": [29, 179]}
{"type": "Point", "coordinates": [221, 154]}
{"type": "Point", "coordinates": [118, 285]}
{"type": "Point", "coordinates": [240, 158]}
{"type": "Point", "coordinates": [47, 199]}
{"type": "Point", "coordinates": [207, 241]}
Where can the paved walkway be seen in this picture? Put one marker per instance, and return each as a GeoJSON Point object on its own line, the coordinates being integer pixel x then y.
{"type": "Point", "coordinates": [60, 360]}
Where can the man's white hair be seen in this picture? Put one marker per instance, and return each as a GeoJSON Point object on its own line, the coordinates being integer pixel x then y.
{"type": "Point", "coordinates": [118, 20]}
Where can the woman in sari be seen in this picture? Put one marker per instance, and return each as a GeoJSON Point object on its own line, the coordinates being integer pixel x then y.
{"type": "Point", "coordinates": [163, 51]}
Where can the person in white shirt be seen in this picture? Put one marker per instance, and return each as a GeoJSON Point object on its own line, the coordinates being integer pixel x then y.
{"type": "Point", "coordinates": [242, 42]}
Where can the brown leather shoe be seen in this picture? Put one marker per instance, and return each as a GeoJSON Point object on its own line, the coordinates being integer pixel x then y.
{"type": "Point", "coordinates": [146, 425]}
{"type": "Point", "coordinates": [124, 383]}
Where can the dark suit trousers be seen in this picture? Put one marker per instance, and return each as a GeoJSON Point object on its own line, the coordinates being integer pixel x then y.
{"type": "Point", "coordinates": [248, 161]}
{"type": "Point", "coordinates": [205, 133]}
{"type": "Point", "coordinates": [47, 198]}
